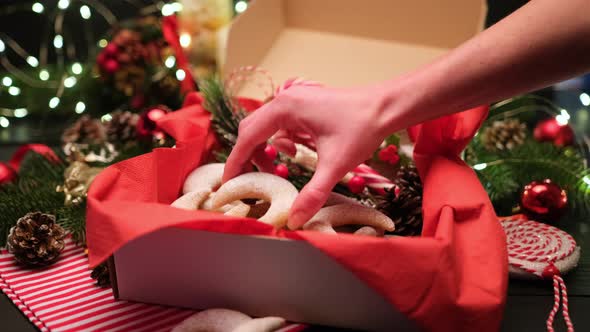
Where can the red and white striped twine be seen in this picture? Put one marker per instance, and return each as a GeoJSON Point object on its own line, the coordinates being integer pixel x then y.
{"type": "Point", "coordinates": [534, 247]}
{"type": "Point", "coordinates": [295, 81]}
{"type": "Point", "coordinates": [253, 75]}
{"type": "Point", "coordinates": [559, 285]}
{"type": "Point", "coordinates": [374, 181]}
{"type": "Point", "coordinates": [63, 297]}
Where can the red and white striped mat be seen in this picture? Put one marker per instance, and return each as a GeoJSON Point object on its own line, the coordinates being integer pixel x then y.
{"type": "Point", "coordinates": [63, 297]}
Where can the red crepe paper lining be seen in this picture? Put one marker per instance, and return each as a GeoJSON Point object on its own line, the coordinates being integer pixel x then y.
{"type": "Point", "coordinates": [452, 278]}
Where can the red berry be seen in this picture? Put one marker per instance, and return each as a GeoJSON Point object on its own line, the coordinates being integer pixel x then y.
{"type": "Point", "coordinates": [282, 171]}
{"type": "Point", "coordinates": [356, 185]}
{"type": "Point", "coordinates": [111, 50]}
{"type": "Point", "coordinates": [389, 154]}
{"type": "Point", "coordinates": [101, 59]}
{"type": "Point", "coordinates": [111, 66]}
{"type": "Point", "coordinates": [270, 152]}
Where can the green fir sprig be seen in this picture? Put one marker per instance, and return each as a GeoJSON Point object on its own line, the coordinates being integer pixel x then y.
{"type": "Point", "coordinates": [35, 190]}
{"type": "Point", "coordinates": [226, 115]}
{"type": "Point", "coordinates": [504, 173]}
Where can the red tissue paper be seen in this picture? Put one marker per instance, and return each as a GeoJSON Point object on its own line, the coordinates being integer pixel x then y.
{"type": "Point", "coordinates": [452, 278]}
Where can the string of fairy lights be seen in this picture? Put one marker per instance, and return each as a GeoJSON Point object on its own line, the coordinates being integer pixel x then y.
{"type": "Point", "coordinates": [68, 63]}
{"type": "Point", "coordinates": [69, 67]}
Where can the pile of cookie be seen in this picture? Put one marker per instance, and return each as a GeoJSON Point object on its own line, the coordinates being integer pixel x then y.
{"type": "Point", "coordinates": [268, 198]}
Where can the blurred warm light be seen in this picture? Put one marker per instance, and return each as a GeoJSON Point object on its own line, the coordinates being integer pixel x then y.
{"type": "Point", "coordinates": [53, 102]}
{"type": "Point", "coordinates": [185, 40]}
{"type": "Point", "coordinates": [20, 112]}
{"type": "Point", "coordinates": [241, 6]}
{"type": "Point", "coordinates": [80, 107]}
{"type": "Point", "coordinates": [180, 75]}
{"type": "Point", "coordinates": [85, 12]}
{"type": "Point", "coordinates": [44, 75]}
{"type": "Point", "coordinates": [38, 8]}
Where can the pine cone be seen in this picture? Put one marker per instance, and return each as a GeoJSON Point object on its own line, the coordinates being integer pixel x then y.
{"type": "Point", "coordinates": [504, 135]}
{"type": "Point", "coordinates": [84, 130]}
{"type": "Point", "coordinates": [405, 207]}
{"type": "Point", "coordinates": [36, 240]}
{"type": "Point", "coordinates": [101, 275]}
{"type": "Point", "coordinates": [130, 80]}
{"type": "Point", "coordinates": [121, 128]}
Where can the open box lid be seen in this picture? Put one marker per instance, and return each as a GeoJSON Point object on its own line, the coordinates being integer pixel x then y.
{"type": "Point", "coordinates": [346, 42]}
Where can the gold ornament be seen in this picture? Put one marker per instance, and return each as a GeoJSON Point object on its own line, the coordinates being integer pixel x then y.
{"type": "Point", "coordinates": [78, 177]}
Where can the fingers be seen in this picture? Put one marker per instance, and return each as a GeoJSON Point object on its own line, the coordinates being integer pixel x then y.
{"type": "Point", "coordinates": [255, 130]}
{"type": "Point", "coordinates": [261, 160]}
{"type": "Point", "coordinates": [313, 196]}
{"type": "Point", "coordinates": [285, 145]}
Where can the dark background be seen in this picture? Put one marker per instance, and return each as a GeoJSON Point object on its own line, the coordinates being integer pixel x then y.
{"type": "Point", "coordinates": [528, 302]}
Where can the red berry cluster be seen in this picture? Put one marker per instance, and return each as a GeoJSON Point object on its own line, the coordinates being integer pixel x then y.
{"type": "Point", "coordinates": [280, 169]}
{"type": "Point", "coordinates": [389, 154]}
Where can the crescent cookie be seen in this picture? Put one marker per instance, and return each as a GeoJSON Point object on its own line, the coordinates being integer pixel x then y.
{"type": "Point", "coordinates": [238, 210]}
{"type": "Point", "coordinates": [265, 324]}
{"type": "Point", "coordinates": [279, 192]}
{"type": "Point", "coordinates": [348, 214]}
{"type": "Point", "coordinates": [204, 177]}
{"type": "Point", "coordinates": [213, 320]}
{"type": "Point", "coordinates": [191, 200]}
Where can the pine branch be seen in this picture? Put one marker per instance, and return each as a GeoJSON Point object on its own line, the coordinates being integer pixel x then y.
{"type": "Point", "coordinates": [505, 173]}
{"type": "Point", "coordinates": [73, 219]}
{"type": "Point", "coordinates": [225, 116]}
{"type": "Point", "coordinates": [34, 190]}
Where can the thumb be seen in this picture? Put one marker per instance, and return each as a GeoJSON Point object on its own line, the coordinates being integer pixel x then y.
{"type": "Point", "coordinates": [315, 193]}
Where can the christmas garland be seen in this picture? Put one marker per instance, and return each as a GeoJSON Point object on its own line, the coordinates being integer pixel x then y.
{"type": "Point", "coordinates": [505, 165]}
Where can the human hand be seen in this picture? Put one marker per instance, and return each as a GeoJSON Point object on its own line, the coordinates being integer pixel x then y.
{"type": "Point", "coordinates": [346, 125]}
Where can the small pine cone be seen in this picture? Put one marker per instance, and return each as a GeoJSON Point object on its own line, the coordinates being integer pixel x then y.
{"type": "Point", "coordinates": [101, 274]}
{"type": "Point", "coordinates": [405, 207]}
{"type": "Point", "coordinates": [121, 128]}
{"type": "Point", "coordinates": [130, 80]}
{"type": "Point", "coordinates": [36, 240]}
{"type": "Point", "coordinates": [504, 135]}
{"type": "Point", "coordinates": [85, 130]}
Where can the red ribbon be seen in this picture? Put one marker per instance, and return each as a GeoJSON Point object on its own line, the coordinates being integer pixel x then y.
{"type": "Point", "coordinates": [170, 32]}
{"type": "Point", "coordinates": [8, 171]}
{"type": "Point", "coordinates": [41, 149]}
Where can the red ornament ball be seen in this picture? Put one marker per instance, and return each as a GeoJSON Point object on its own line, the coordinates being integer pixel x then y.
{"type": "Point", "coordinates": [111, 50]}
{"type": "Point", "coordinates": [389, 154]}
{"type": "Point", "coordinates": [552, 131]}
{"type": "Point", "coordinates": [282, 171]}
{"type": "Point", "coordinates": [147, 128]}
{"type": "Point", "coordinates": [356, 184]}
{"type": "Point", "coordinates": [101, 59]}
{"type": "Point", "coordinates": [7, 173]}
{"type": "Point", "coordinates": [543, 201]}
{"type": "Point", "coordinates": [270, 152]}
{"type": "Point", "coordinates": [111, 66]}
